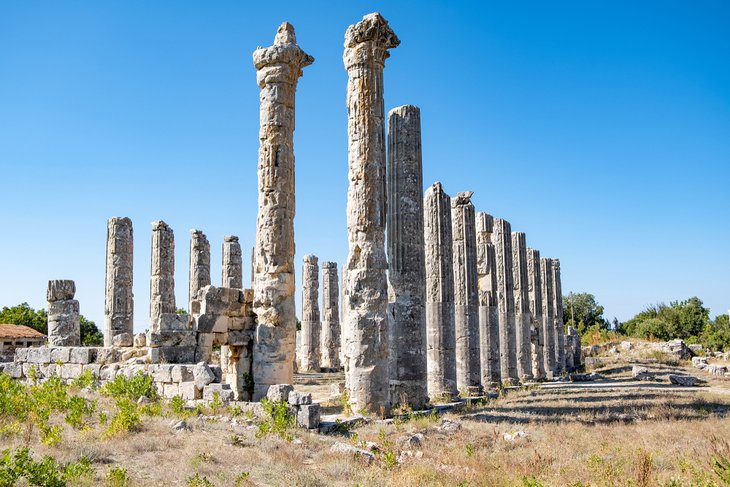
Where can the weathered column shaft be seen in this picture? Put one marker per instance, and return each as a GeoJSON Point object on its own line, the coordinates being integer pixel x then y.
{"type": "Point", "coordinates": [502, 240]}
{"type": "Point", "coordinates": [330, 337]}
{"type": "Point", "coordinates": [364, 276]}
{"type": "Point", "coordinates": [64, 329]}
{"type": "Point", "coordinates": [466, 298]}
{"type": "Point", "coordinates": [406, 271]}
{"type": "Point", "coordinates": [559, 324]}
{"type": "Point", "coordinates": [440, 331]}
{"type": "Point", "coordinates": [232, 268]}
{"type": "Point", "coordinates": [199, 263]}
{"type": "Point", "coordinates": [119, 298]}
{"type": "Point", "coordinates": [488, 312]}
{"type": "Point", "coordinates": [278, 69]}
{"type": "Point", "coordinates": [162, 280]}
{"type": "Point", "coordinates": [523, 320]}
{"type": "Point", "coordinates": [310, 352]}
{"type": "Point", "coordinates": [548, 315]}
{"type": "Point", "coordinates": [534, 282]}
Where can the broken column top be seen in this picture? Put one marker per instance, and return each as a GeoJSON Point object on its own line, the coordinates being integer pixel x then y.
{"type": "Point", "coordinates": [404, 110]}
{"type": "Point", "coordinates": [310, 259]}
{"type": "Point", "coordinates": [461, 199]}
{"type": "Point", "coordinates": [484, 222]}
{"type": "Point", "coordinates": [159, 225]}
{"type": "Point", "coordinates": [329, 265]}
{"type": "Point", "coordinates": [120, 219]}
{"type": "Point", "coordinates": [436, 188]}
{"type": "Point", "coordinates": [372, 27]}
{"type": "Point", "coordinates": [230, 238]}
{"type": "Point", "coordinates": [285, 51]}
{"type": "Point", "coordinates": [61, 289]}
{"type": "Point", "coordinates": [196, 233]}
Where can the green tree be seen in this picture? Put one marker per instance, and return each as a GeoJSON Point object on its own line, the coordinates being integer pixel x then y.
{"type": "Point", "coordinates": [680, 319]}
{"type": "Point", "coordinates": [90, 334]}
{"type": "Point", "coordinates": [716, 334]}
{"type": "Point", "coordinates": [23, 314]}
{"type": "Point", "coordinates": [581, 311]}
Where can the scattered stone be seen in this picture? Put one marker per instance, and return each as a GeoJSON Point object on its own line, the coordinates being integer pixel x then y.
{"type": "Point", "coordinates": [715, 369]}
{"type": "Point", "coordinates": [179, 426]}
{"type": "Point", "coordinates": [299, 398]}
{"type": "Point", "coordinates": [683, 380]}
{"type": "Point", "coordinates": [642, 373]}
{"type": "Point", "coordinates": [308, 416]}
{"type": "Point", "coordinates": [202, 375]}
{"type": "Point", "coordinates": [449, 426]}
{"type": "Point", "coordinates": [410, 441]}
{"type": "Point", "coordinates": [406, 455]}
{"type": "Point", "coordinates": [626, 345]}
{"type": "Point", "coordinates": [699, 362]}
{"type": "Point", "coordinates": [514, 436]}
{"type": "Point", "coordinates": [575, 377]}
{"type": "Point", "coordinates": [346, 449]}
{"type": "Point", "coordinates": [143, 400]}
{"type": "Point", "coordinates": [279, 392]}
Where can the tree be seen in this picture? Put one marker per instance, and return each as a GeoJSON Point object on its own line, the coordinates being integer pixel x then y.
{"type": "Point", "coordinates": [581, 311]}
{"type": "Point", "coordinates": [23, 314]}
{"type": "Point", "coordinates": [90, 334]}
{"type": "Point", "coordinates": [680, 319]}
{"type": "Point", "coordinates": [716, 334]}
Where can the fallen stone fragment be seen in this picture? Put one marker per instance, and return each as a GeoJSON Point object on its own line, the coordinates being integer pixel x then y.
{"type": "Point", "coordinates": [683, 380]}
{"type": "Point", "coordinates": [344, 448]}
{"type": "Point", "coordinates": [715, 369]}
{"type": "Point", "coordinates": [514, 436]}
{"type": "Point", "coordinates": [642, 373]}
{"type": "Point", "coordinates": [279, 392]}
{"type": "Point", "coordinates": [409, 441]}
{"type": "Point", "coordinates": [699, 362]}
{"type": "Point", "coordinates": [449, 426]}
{"type": "Point", "coordinates": [180, 426]}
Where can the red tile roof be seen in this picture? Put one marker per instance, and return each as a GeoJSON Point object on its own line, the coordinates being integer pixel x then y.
{"type": "Point", "coordinates": [19, 331]}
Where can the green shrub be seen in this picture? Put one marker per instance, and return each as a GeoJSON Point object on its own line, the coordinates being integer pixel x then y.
{"type": "Point", "coordinates": [132, 388]}
{"type": "Point", "coordinates": [278, 419]}
{"type": "Point", "coordinates": [198, 481]}
{"type": "Point", "coordinates": [126, 419]}
{"type": "Point", "coordinates": [117, 477]}
{"type": "Point", "coordinates": [46, 472]}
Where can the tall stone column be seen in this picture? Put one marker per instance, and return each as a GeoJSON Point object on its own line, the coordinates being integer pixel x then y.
{"type": "Point", "coordinates": [466, 298]}
{"type": "Point", "coordinates": [548, 316]}
{"type": "Point", "coordinates": [64, 329]}
{"type": "Point", "coordinates": [278, 69]}
{"type": "Point", "coordinates": [523, 320]}
{"type": "Point", "coordinates": [364, 276]}
{"type": "Point", "coordinates": [162, 281]}
{"type": "Point", "coordinates": [406, 271]}
{"type": "Point", "coordinates": [440, 328]}
{"type": "Point", "coordinates": [310, 354]}
{"type": "Point", "coordinates": [502, 240]}
{"type": "Point", "coordinates": [488, 312]}
{"type": "Point", "coordinates": [232, 268]}
{"type": "Point", "coordinates": [199, 263]}
{"type": "Point", "coordinates": [119, 298]}
{"type": "Point", "coordinates": [534, 283]}
{"type": "Point", "coordinates": [330, 338]}
{"type": "Point", "coordinates": [559, 324]}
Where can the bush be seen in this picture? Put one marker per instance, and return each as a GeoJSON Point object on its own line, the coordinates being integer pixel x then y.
{"type": "Point", "coordinates": [132, 388]}
{"type": "Point", "coordinates": [279, 419]}
{"type": "Point", "coordinates": [46, 472]}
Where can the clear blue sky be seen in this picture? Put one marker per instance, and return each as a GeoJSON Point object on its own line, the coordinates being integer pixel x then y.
{"type": "Point", "coordinates": [601, 129]}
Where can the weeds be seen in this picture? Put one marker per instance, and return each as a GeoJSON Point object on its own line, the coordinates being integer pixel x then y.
{"type": "Point", "coordinates": [198, 481]}
{"type": "Point", "coordinates": [118, 477]}
{"type": "Point", "coordinates": [47, 472]}
{"type": "Point", "coordinates": [132, 388]}
{"type": "Point", "coordinates": [279, 419]}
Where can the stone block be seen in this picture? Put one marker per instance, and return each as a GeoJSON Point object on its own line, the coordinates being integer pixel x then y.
{"type": "Point", "coordinates": [202, 375]}
{"type": "Point", "coordinates": [21, 354]}
{"type": "Point", "coordinates": [95, 369]}
{"type": "Point", "coordinates": [279, 392]}
{"type": "Point", "coordinates": [189, 392]}
{"type": "Point", "coordinates": [140, 340]}
{"type": "Point", "coordinates": [204, 347]}
{"type": "Point", "coordinates": [161, 372]}
{"type": "Point", "coordinates": [13, 369]}
{"type": "Point", "coordinates": [218, 372]}
{"type": "Point", "coordinates": [82, 355]}
{"type": "Point", "coordinates": [71, 371]}
{"type": "Point", "coordinates": [239, 338]}
{"type": "Point", "coordinates": [171, 339]}
{"type": "Point", "coordinates": [106, 355]}
{"type": "Point", "coordinates": [60, 289]}
{"type": "Point", "coordinates": [108, 371]}
{"type": "Point", "coordinates": [171, 355]}
{"type": "Point", "coordinates": [60, 354]}
{"type": "Point", "coordinates": [308, 416]}
{"type": "Point", "coordinates": [683, 380]}
{"type": "Point", "coordinates": [170, 390]}
{"type": "Point", "coordinates": [299, 398]}
{"type": "Point", "coordinates": [123, 340]}
{"type": "Point", "coordinates": [173, 322]}
{"type": "Point", "coordinates": [223, 390]}
{"type": "Point", "coordinates": [181, 373]}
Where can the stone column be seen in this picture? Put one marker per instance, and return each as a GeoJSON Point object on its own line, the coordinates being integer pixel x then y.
{"type": "Point", "coordinates": [64, 329]}
{"type": "Point", "coordinates": [162, 281]}
{"type": "Point", "coordinates": [466, 298]}
{"type": "Point", "coordinates": [440, 331]}
{"type": "Point", "coordinates": [534, 283]}
{"type": "Point", "coordinates": [330, 343]}
{"type": "Point", "coordinates": [119, 298]}
{"type": "Point", "coordinates": [523, 320]}
{"type": "Point", "coordinates": [199, 263]}
{"type": "Point", "coordinates": [310, 354]}
{"type": "Point", "coordinates": [406, 271]}
{"type": "Point", "coordinates": [488, 313]}
{"type": "Point", "coordinates": [559, 324]}
{"type": "Point", "coordinates": [278, 69]}
{"type": "Point", "coordinates": [364, 276]}
{"type": "Point", "coordinates": [548, 316]}
{"type": "Point", "coordinates": [232, 268]}
{"type": "Point", "coordinates": [502, 240]}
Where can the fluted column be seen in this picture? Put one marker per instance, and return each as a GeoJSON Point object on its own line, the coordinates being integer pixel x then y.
{"type": "Point", "coordinates": [278, 69]}
{"type": "Point", "coordinates": [523, 319]}
{"type": "Point", "coordinates": [199, 264]}
{"type": "Point", "coordinates": [440, 332]}
{"type": "Point", "coordinates": [364, 277]}
{"type": "Point", "coordinates": [232, 266]}
{"type": "Point", "coordinates": [534, 283]}
{"type": "Point", "coordinates": [548, 315]}
{"type": "Point", "coordinates": [330, 337]}
{"type": "Point", "coordinates": [406, 271]}
{"type": "Point", "coordinates": [162, 280]}
{"type": "Point", "coordinates": [119, 298]}
{"type": "Point", "coordinates": [488, 312]}
{"type": "Point", "coordinates": [559, 324]}
{"type": "Point", "coordinates": [502, 240]}
{"type": "Point", "coordinates": [310, 352]}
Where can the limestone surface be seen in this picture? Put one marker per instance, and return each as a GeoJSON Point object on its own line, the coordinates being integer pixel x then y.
{"type": "Point", "coordinates": [440, 331]}
{"type": "Point", "coordinates": [311, 325]}
{"type": "Point", "coordinates": [466, 298]}
{"type": "Point", "coordinates": [548, 315]}
{"type": "Point", "coordinates": [330, 335]}
{"type": "Point", "coordinates": [406, 271]}
{"type": "Point", "coordinates": [278, 69]}
{"type": "Point", "coordinates": [488, 312]}
{"type": "Point", "coordinates": [162, 280]}
{"type": "Point", "coordinates": [502, 240]}
{"type": "Point", "coordinates": [63, 314]}
{"type": "Point", "coordinates": [365, 296]}
{"type": "Point", "coordinates": [523, 318]}
{"type": "Point", "coordinates": [199, 263]}
{"type": "Point", "coordinates": [232, 268]}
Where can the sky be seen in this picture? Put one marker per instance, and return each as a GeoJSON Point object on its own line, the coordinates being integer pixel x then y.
{"type": "Point", "coordinates": [600, 129]}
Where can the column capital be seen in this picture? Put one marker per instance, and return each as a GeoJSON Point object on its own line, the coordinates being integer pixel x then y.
{"type": "Point", "coordinates": [282, 62]}
{"type": "Point", "coordinates": [368, 41]}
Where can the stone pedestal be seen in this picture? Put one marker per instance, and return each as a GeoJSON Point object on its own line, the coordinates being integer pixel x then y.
{"type": "Point", "coordinates": [440, 331]}
{"type": "Point", "coordinates": [523, 318]}
{"type": "Point", "coordinates": [64, 329]}
{"type": "Point", "coordinates": [488, 312]}
{"type": "Point", "coordinates": [310, 351]}
{"type": "Point", "coordinates": [466, 300]}
{"type": "Point", "coordinates": [406, 271]}
{"type": "Point", "coordinates": [330, 338]}
{"type": "Point", "coordinates": [278, 69]}
{"type": "Point", "coordinates": [232, 266]}
{"type": "Point", "coordinates": [365, 297]}
{"type": "Point", "coordinates": [119, 298]}
{"type": "Point", "coordinates": [502, 240]}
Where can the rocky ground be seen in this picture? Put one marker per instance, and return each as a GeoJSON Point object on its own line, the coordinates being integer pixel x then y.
{"type": "Point", "coordinates": [614, 430]}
